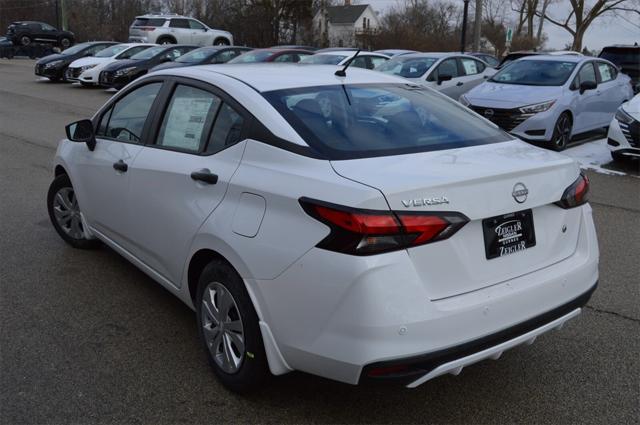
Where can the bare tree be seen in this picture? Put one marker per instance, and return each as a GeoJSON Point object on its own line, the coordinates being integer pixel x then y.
{"type": "Point", "coordinates": [582, 16]}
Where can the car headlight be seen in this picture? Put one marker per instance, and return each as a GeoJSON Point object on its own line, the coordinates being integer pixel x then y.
{"type": "Point", "coordinates": [53, 64]}
{"type": "Point", "coordinates": [84, 68]}
{"type": "Point", "coordinates": [537, 107]}
{"type": "Point", "coordinates": [125, 71]}
{"type": "Point", "coordinates": [464, 100]}
{"type": "Point", "coordinates": [622, 116]}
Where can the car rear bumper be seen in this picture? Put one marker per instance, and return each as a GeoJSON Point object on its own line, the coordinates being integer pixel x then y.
{"type": "Point", "coordinates": [344, 314]}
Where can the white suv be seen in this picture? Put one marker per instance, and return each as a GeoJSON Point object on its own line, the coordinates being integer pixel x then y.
{"type": "Point", "coordinates": [176, 29]}
{"type": "Point", "coordinates": [357, 227]}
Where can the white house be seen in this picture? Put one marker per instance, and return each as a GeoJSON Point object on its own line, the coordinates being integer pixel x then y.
{"type": "Point", "coordinates": [339, 25]}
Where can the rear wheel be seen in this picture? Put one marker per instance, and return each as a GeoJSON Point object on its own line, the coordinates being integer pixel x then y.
{"type": "Point", "coordinates": [166, 40]}
{"type": "Point", "coordinates": [25, 40]}
{"type": "Point", "coordinates": [221, 42]}
{"type": "Point", "coordinates": [561, 132]}
{"type": "Point", "coordinates": [229, 329]}
{"type": "Point", "coordinates": [64, 213]}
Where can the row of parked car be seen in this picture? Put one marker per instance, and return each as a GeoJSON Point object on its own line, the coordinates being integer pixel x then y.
{"type": "Point", "coordinates": [547, 99]}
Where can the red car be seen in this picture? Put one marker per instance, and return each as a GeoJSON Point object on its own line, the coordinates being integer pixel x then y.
{"type": "Point", "coordinates": [272, 55]}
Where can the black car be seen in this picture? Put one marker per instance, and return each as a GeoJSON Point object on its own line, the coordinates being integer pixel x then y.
{"type": "Point", "coordinates": [627, 58]}
{"type": "Point", "coordinates": [23, 33]}
{"type": "Point", "coordinates": [54, 66]}
{"type": "Point", "coordinates": [122, 72]}
{"type": "Point", "coordinates": [203, 56]}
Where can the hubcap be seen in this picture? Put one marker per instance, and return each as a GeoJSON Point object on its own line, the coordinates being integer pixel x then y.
{"type": "Point", "coordinates": [65, 43]}
{"type": "Point", "coordinates": [25, 41]}
{"type": "Point", "coordinates": [222, 326]}
{"type": "Point", "coordinates": [67, 213]}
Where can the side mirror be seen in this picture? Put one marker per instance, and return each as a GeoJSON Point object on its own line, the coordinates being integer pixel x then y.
{"type": "Point", "coordinates": [443, 77]}
{"type": "Point", "coordinates": [82, 132]}
{"type": "Point", "coordinates": [587, 85]}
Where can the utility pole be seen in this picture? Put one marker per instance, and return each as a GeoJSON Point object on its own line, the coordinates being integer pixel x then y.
{"type": "Point", "coordinates": [57, 14]}
{"type": "Point", "coordinates": [63, 15]}
{"type": "Point", "coordinates": [476, 27]}
{"type": "Point", "coordinates": [463, 38]}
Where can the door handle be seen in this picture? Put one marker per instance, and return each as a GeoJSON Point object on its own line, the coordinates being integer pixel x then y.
{"type": "Point", "coordinates": [205, 176]}
{"type": "Point", "coordinates": [120, 166]}
{"type": "Point", "coordinates": [459, 83]}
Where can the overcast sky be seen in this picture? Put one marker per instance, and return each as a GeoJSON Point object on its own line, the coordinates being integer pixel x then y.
{"type": "Point", "coordinates": [604, 31]}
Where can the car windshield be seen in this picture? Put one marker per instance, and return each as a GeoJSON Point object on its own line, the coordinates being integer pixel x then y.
{"type": "Point", "coordinates": [75, 49]}
{"type": "Point", "coordinates": [148, 53]}
{"type": "Point", "coordinates": [196, 56]}
{"type": "Point", "coordinates": [323, 59]}
{"type": "Point", "coordinates": [622, 56]}
{"type": "Point", "coordinates": [111, 51]}
{"type": "Point", "coordinates": [407, 67]}
{"type": "Point", "coordinates": [252, 57]}
{"type": "Point", "coordinates": [356, 121]}
{"type": "Point", "coordinates": [535, 73]}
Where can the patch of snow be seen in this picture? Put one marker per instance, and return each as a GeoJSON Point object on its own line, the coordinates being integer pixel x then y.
{"type": "Point", "coordinates": [592, 155]}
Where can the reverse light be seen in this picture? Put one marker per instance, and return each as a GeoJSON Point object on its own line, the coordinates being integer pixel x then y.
{"type": "Point", "coordinates": [367, 232]}
{"type": "Point", "coordinates": [576, 194]}
{"type": "Point", "coordinates": [537, 107]}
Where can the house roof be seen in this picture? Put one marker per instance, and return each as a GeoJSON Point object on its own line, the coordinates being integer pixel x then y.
{"type": "Point", "coordinates": [345, 14]}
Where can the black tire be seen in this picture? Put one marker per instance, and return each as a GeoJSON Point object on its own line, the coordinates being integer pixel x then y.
{"type": "Point", "coordinates": [166, 40]}
{"type": "Point", "coordinates": [221, 41]}
{"type": "Point", "coordinates": [54, 79]}
{"type": "Point", "coordinates": [561, 132]}
{"type": "Point", "coordinates": [253, 369]}
{"type": "Point", "coordinates": [59, 183]}
{"type": "Point", "coordinates": [25, 40]}
{"type": "Point", "coordinates": [65, 43]}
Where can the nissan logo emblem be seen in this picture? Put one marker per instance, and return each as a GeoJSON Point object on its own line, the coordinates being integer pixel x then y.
{"type": "Point", "coordinates": [488, 112]}
{"type": "Point", "coordinates": [520, 193]}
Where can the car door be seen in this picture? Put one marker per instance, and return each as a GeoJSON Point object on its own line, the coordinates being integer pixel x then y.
{"type": "Point", "coordinates": [199, 34]}
{"type": "Point", "coordinates": [180, 30]}
{"type": "Point", "coordinates": [121, 131]}
{"type": "Point", "coordinates": [610, 97]}
{"type": "Point", "coordinates": [448, 66]}
{"type": "Point", "coordinates": [473, 74]}
{"type": "Point", "coordinates": [48, 33]}
{"type": "Point", "coordinates": [586, 113]}
{"type": "Point", "coordinates": [179, 179]}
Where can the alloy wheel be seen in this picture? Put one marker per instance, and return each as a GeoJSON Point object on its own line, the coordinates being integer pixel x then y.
{"type": "Point", "coordinates": [25, 41]}
{"type": "Point", "coordinates": [67, 213]}
{"type": "Point", "coordinates": [222, 326]}
{"type": "Point", "coordinates": [562, 132]}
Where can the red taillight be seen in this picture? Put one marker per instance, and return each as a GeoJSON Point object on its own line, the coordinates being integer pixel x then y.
{"type": "Point", "coordinates": [366, 232]}
{"type": "Point", "coordinates": [576, 194]}
{"type": "Point", "coordinates": [146, 28]}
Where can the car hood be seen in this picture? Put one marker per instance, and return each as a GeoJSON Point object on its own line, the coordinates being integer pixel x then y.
{"type": "Point", "coordinates": [51, 58]}
{"type": "Point", "coordinates": [87, 61]}
{"type": "Point", "coordinates": [498, 95]}
{"type": "Point", "coordinates": [124, 63]}
{"type": "Point", "coordinates": [632, 107]}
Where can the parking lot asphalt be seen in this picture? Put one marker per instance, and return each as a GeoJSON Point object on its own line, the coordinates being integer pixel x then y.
{"type": "Point", "coordinates": [87, 338]}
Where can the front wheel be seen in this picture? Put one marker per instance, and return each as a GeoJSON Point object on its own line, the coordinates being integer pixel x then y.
{"type": "Point", "coordinates": [64, 213]}
{"type": "Point", "coordinates": [65, 43]}
{"type": "Point", "coordinates": [229, 328]}
{"type": "Point", "coordinates": [561, 132]}
{"type": "Point", "coordinates": [25, 40]}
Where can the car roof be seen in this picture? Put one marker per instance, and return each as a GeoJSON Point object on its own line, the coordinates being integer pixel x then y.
{"type": "Point", "coordinates": [557, 58]}
{"type": "Point", "coordinates": [436, 55]}
{"type": "Point", "coordinates": [348, 53]}
{"type": "Point", "coordinates": [264, 77]}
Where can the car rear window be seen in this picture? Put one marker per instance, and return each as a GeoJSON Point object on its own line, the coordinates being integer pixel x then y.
{"type": "Point", "coordinates": [148, 22]}
{"type": "Point", "coordinates": [365, 120]}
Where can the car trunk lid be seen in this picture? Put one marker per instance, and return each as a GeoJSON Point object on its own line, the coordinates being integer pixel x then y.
{"type": "Point", "coordinates": [481, 182]}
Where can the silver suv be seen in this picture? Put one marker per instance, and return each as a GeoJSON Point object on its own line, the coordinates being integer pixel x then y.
{"type": "Point", "coordinates": [176, 29]}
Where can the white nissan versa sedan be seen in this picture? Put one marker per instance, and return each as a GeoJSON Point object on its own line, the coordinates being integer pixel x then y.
{"type": "Point", "coordinates": [357, 227]}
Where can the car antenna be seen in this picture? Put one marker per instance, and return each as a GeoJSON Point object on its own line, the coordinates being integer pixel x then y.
{"type": "Point", "coordinates": [342, 72]}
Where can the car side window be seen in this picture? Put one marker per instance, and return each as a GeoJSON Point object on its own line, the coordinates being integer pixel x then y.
{"type": "Point", "coordinates": [605, 71]}
{"type": "Point", "coordinates": [471, 66]}
{"type": "Point", "coordinates": [587, 73]}
{"type": "Point", "coordinates": [376, 61]}
{"type": "Point", "coordinates": [179, 23]}
{"type": "Point", "coordinates": [130, 52]}
{"type": "Point", "coordinates": [446, 67]}
{"type": "Point", "coordinates": [125, 120]}
{"type": "Point", "coordinates": [287, 57]}
{"type": "Point", "coordinates": [95, 49]}
{"type": "Point", "coordinates": [227, 129]}
{"type": "Point", "coordinates": [195, 25]}
{"type": "Point", "coordinates": [359, 62]}
{"type": "Point", "coordinates": [47, 27]}
{"type": "Point", "coordinates": [225, 56]}
{"type": "Point", "coordinates": [186, 119]}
